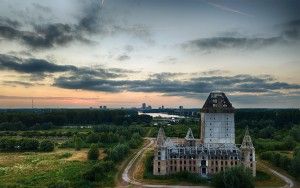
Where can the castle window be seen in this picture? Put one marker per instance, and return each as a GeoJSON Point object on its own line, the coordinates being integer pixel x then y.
{"type": "Point", "coordinates": [251, 165]}
{"type": "Point", "coordinates": [231, 163]}
{"type": "Point", "coordinates": [221, 169]}
{"type": "Point", "coordinates": [184, 168]}
{"type": "Point", "coordinates": [158, 163]}
{"type": "Point", "coordinates": [184, 162]}
{"type": "Point", "coordinates": [171, 162]}
{"type": "Point", "coordinates": [190, 162]}
{"type": "Point", "coordinates": [221, 162]}
{"type": "Point", "coordinates": [226, 163]}
{"type": "Point", "coordinates": [190, 168]}
{"type": "Point", "coordinates": [235, 162]}
{"type": "Point", "coordinates": [194, 162]}
{"type": "Point", "coordinates": [175, 162]}
{"type": "Point", "coordinates": [171, 168]}
{"type": "Point", "coordinates": [212, 163]}
{"type": "Point", "coordinates": [216, 162]}
{"type": "Point", "coordinates": [194, 168]}
{"type": "Point", "coordinates": [175, 168]}
{"type": "Point", "coordinates": [158, 158]}
{"type": "Point", "coordinates": [216, 169]}
{"type": "Point", "coordinates": [158, 170]}
{"type": "Point", "coordinates": [180, 162]}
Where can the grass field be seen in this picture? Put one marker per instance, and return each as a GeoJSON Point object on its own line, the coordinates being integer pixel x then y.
{"type": "Point", "coordinates": [35, 169]}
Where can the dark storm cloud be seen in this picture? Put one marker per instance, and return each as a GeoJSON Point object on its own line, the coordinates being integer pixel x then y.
{"type": "Point", "coordinates": [40, 68]}
{"type": "Point", "coordinates": [290, 32]}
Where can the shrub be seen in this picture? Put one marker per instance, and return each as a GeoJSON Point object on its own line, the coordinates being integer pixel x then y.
{"type": "Point", "coordinates": [237, 177]}
{"type": "Point", "coordinates": [93, 153]}
{"type": "Point", "coordinates": [99, 171]}
{"type": "Point", "coordinates": [46, 145]}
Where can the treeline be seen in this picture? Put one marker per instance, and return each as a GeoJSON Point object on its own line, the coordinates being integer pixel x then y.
{"type": "Point", "coordinates": [106, 135]}
{"type": "Point", "coordinates": [291, 165]}
{"type": "Point", "coordinates": [15, 120]}
{"type": "Point", "coordinates": [25, 144]}
{"type": "Point", "coordinates": [261, 118]}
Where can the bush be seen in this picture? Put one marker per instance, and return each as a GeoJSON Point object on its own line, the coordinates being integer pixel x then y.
{"type": "Point", "coordinates": [237, 177]}
{"type": "Point", "coordinates": [99, 171]}
{"type": "Point", "coordinates": [24, 144]}
{"type": "Point", "coordinates": [93, 153]}
{"type": "Point", "coordinates": [46, 145]}
{"type": "Point", "coordinates": [118, 153]}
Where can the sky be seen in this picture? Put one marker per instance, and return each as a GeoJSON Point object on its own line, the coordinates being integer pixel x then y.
{"type": "Point", "coordinates": [122, 53]}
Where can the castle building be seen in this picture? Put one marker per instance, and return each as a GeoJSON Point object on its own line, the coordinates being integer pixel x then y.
{"type": "Point", "coordinates": [213, 152]}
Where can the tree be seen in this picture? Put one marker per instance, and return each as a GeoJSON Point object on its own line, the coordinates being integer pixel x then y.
{"type": "Point", "coordinates": [77, 142]}
{"type": "Point", "coordinates": [235, 177]}
{"type": "Point", "coordinates": [46, 145]}
{"type": "Point", "coordinates": [93, 153]}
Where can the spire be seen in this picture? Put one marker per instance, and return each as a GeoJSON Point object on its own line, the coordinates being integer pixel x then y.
{"type": "Point", "coordinates": [189, 135]}
{"type": "Point", "coordinates": [247, 142]}
{"type": "Point", "coordinates": [161, 137]}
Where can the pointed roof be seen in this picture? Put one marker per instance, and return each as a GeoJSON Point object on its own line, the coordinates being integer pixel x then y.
{"type": "Point", "coordinates": [189, 135]}
{"type": "Point", "coordinates": [247, 142]}
{"type": "Point", "coordinates": [161, 137]}
{"type": "Point", "coordinates": [217, 102]}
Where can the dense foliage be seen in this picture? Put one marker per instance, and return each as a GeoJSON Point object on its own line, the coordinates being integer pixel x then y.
{"type": "Point", "coordinates": [46, 145]}
{"type": "Point", "coordinates": [281, 160]}
{"type": "Point", "coordinates": [25, 144]}
{"type": "Point", "coordinates": [93, 153]}
{"type": "Point", "coordinates": [235, 177]}
{"type": "Point", "coordinates": [29, 120]}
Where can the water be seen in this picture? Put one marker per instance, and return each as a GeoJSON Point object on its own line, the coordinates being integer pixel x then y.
{"type": "Point", "coordinates": [162, 115]}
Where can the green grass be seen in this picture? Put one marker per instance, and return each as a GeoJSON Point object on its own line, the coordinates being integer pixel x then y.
{"type": "Point", "coordinates": [44, 169]}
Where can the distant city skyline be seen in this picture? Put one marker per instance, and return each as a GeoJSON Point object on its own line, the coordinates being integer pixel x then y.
{"type": "Point", "coordinates": [122, 53]}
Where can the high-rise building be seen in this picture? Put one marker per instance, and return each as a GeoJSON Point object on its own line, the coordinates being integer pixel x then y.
{"type": "Point", "coordinates": [217, 119]}
{"type": "Point", "coordinates": [144, 106]}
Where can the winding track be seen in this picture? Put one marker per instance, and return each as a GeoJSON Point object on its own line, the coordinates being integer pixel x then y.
{"type": "Point", "coordinates": [126, 177]}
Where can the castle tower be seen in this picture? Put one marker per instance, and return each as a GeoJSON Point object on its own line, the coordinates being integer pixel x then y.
{"type": "Point", "coordinates": [160, 154]}
{"type": "Point", "coordinates": [248, 153]}
{"type": "Point", "coordinates": [217, 120]}
{"type": "Point", "coordinates": [189, 138]}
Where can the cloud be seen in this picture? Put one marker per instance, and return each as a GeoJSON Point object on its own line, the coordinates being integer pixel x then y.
{"type": "Point", "coordinates": [169, 84]}
{"type": "Point", "coordinates": [39, 68]}
{"type": "Point", "coordinates": [15, 83]}
{"type": "Point", "coordinates": [123, 57]}
{"type": "Point", "coordinates": [91, 20]}
{"type": "Point", "coordinates": [231, 42]}
{"type": "Point", "coordinates": [290, 32]}
{"type": "Point", "coordinates": [43, 36]}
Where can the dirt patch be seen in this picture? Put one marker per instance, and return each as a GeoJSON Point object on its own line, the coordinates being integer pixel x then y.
{"type": "Point", "coordinates": [82, 155]}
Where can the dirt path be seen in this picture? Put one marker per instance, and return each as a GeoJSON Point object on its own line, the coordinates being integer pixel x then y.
{"type": "Point", "coordinates": [289, 182]}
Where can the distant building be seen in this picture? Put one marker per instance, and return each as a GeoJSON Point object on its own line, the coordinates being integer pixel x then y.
{"type": "Point", "coordinates": [144, 106]}
{"type": "Point", "coordinates": [162, 107]}
{"type": "Point", "coordinates": [213, 152]}
{"type": "Point", "coordinates": [149, 107]}
{"type": "Point", "coordinates": [180, 107]}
